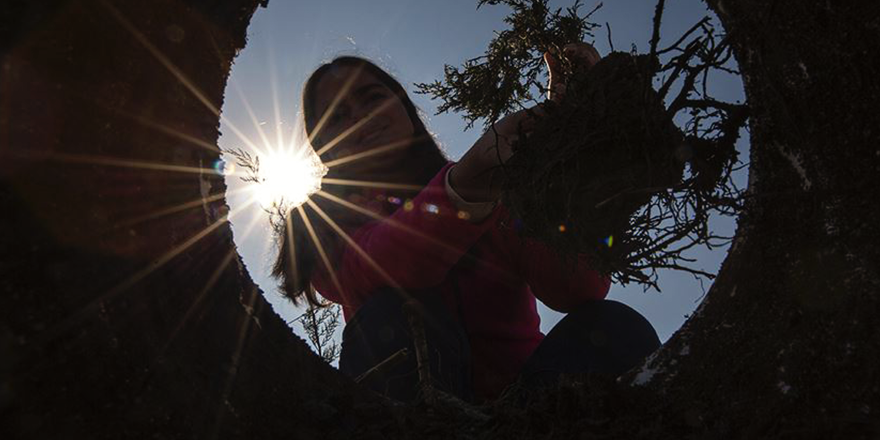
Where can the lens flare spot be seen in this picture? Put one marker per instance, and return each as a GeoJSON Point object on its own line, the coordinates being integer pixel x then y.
{"type": "Point", "coordinates": [432, 208]}
{"type": "Point", "coordinates": [561, 228]}
{"type": "Point", "coordinates": [224, 168]}
{"type": "Point", "coordinates": [394, 200]}
{"type": "Point", "coordinates": [608, 241]}
{"type": "Point", "coordinates": [463, 215]}
{"type": "Point", "coordinates": [408, 205]}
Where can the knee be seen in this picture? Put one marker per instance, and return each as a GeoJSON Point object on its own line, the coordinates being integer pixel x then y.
{"type": "Point", "coordinates": [615, 325]}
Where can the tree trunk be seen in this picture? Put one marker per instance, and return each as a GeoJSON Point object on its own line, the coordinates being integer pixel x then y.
{"type": "Point", "coordinates": [127, 313]}
{"type": "Point", "coordinates": [786, 341]}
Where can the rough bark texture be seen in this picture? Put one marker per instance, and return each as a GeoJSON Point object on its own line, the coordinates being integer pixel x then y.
{"type": "Point", "coordinates": [119, 326]}
{"type": "Point", "coordinates": [786, 341]}
{"type": "Point", "coordinates": [107, 331]}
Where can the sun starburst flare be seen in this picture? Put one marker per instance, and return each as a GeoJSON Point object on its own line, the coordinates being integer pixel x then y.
{"type": "Point", "coordinates": [281, 179]}
{"type": "Point", "coordinates": [291, 177]}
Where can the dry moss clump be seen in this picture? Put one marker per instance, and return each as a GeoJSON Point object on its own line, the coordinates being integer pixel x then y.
{"type": "Point", "coordinates": [593, 161]}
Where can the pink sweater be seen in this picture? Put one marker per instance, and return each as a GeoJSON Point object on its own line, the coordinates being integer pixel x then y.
{"type": "Point", "coordinates": [497, 288]}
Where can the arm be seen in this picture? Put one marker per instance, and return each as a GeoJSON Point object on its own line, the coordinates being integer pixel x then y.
{"type": "Point", "coordinates": [476, 177]}
{"type": "Point", "coordinates": [560, 284]}
{"type": "Point", "coordinates": [415, 247]}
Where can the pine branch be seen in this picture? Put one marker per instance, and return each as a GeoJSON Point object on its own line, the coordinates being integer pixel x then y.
{"type": "Point", "coordinates": [512, 69]}
{"type": "Point", "coordinates": [319, 324]}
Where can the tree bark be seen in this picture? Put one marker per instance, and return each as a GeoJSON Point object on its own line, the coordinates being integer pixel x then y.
{"type": "Point", "coordinates": [126, 311]}
{"type": "Point", "coordinates": [785, 343]}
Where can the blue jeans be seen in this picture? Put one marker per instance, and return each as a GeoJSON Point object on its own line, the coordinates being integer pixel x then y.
{"type": "Point", "coordinates": [604, 337]}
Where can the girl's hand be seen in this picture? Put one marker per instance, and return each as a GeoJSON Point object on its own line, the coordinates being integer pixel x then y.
{"type": "Point", "coordinates": [583, 56]}
{"type": "Point", "coordinates": [476, 177]}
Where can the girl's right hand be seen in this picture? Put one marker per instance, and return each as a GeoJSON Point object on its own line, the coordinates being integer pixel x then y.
{"type": "Point", "coordinates": [476, 177]}
{"type": "Point", "coordinates": [582, 55]}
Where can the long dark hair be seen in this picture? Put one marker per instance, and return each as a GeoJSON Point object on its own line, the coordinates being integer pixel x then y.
{"type": "Point", "coordinates": [295, 265]}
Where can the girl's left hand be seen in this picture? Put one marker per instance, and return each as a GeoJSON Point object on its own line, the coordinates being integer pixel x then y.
{"type": "Point", "coordinates": [583, 56]}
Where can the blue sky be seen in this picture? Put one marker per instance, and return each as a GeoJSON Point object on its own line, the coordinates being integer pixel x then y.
{"type": "Point", "coordinates": [413, 40]}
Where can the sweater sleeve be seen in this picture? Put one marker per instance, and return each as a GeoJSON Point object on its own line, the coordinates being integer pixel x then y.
{"type": "Point", "coordinates": [416, 246]}
{"type": "Point", "coordinates": [561, 284]}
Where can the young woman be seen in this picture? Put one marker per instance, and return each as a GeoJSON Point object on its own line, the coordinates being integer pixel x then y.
{"type": "Point", "coordinates": [434, 231]}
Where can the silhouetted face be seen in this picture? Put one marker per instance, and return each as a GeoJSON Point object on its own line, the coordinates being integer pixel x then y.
{"type": "Point", "coordinates": [368, 117]}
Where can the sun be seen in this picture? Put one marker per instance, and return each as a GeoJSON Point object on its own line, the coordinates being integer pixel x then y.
{"type": "Point", "coordinates": [288, 177]}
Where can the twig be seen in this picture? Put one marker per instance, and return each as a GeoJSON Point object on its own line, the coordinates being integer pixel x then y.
{"type": "Point", "coordinates": [631, 191]}
{"type": "Point", "coordinates": [681, 39]}
{"type": "Point", "coordinates": [411, 308]}
{"type": "Point", "coordinates": [608, 29]}
{"type": "Point", "coordinates": [688, 52]}
{"type": "Point", "coordinates": [389, 363]}
{"type": "Point", "coordinates": [658, 17]}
